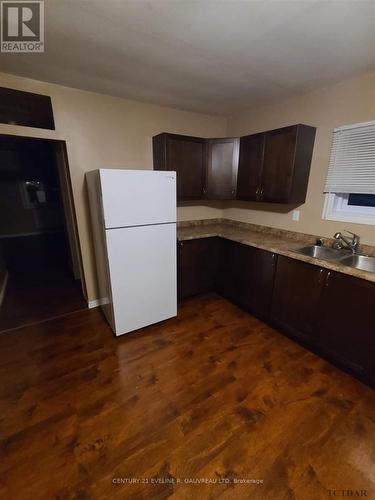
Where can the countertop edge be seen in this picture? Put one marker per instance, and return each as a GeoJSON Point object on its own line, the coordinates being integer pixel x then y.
{"type": "Point", "coordinates": [286, 253]}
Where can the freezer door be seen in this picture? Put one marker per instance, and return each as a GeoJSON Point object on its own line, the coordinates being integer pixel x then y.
{"type": "Point", "coordinates": [137, 197]}
{"type": "Point", "coordinates": [142, 263]}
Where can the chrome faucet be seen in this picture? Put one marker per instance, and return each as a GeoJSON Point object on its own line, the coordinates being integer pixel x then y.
{"type": "Point", "coordinates": [342, 241]}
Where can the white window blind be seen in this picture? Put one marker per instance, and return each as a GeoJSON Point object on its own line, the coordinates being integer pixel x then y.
{"type": "Point", "coordinates": [352, 163]}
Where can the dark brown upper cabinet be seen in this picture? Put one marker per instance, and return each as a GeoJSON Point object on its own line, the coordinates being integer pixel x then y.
{"type": "Point", "coordinates": [187, 156]}
{"type": "Point", "coordinates": [222, 167]}
{"type": "Point", "coordinates": [274, 166]}
{"type": "Point", "coordinates": [250, 167]}
{"type": "Point", "coordinates": [26, 108]}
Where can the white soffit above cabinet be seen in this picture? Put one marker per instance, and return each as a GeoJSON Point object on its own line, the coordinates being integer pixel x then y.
{"type": "Point", "coordinates": [212, 56]}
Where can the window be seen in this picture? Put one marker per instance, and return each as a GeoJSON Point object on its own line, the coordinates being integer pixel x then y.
{"type": "Point", "coordinates": [362, 200]}
{"type": "Point", "coordinates": [350, 184]}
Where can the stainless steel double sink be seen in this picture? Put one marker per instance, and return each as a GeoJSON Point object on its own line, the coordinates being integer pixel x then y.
{"type": "Point", "coordinates": [344, 257]}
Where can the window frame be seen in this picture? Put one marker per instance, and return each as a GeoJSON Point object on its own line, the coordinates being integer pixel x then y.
{"type": "Point", "coordinates": [336, 205]}
{"type": "Point", "coordinates": [336, 208]}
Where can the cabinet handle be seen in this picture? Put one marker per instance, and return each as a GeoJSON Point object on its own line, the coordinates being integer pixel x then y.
{"type": "Point", "coordinates": [261, 193]}
{"type": "Point", "coordinates": [321, 276]}
{"type": "Point", "coordinates": [257, 193]}
{"type": "Point", "coordinates": [328, 278]}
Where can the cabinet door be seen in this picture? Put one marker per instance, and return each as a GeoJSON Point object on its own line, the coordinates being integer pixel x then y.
{"type": "Point", "coordinates": [254, 279]}
{"type": "Point", "coordinates": [226, 279]}
{"type": "Point", "coordinates": [245, 276]}
{"type": "Point", "coordinates": [346, 322]}
{"type": "Point", "coordinates": [187, 156]}
{"type": "Point", "coordinates": [222, 166]}
{"type": "Point", "coordinates": [197, 266]}
{"type": "Point", "coordinates": [25, 108]}
{"type": "Point", "coordinates": [278, 165]}
{"type": "Point", "coordinates": [296, 295]}
{"type": "Point", "coordinates": [250, 167]}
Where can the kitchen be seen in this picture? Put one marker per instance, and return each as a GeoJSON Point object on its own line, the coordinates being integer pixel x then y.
{"type": "Point", "coordinates": [266, 374]}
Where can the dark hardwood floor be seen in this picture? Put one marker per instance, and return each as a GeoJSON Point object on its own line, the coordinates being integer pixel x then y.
{"type": "Point", "coordinates": [41, 284]}
{"type": "Point", "coordinates": [212, 394]}
{"type": "Point", "coordinates": [39, 297]}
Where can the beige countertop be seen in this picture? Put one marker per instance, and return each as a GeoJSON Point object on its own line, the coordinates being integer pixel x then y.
{"type": "Point", "coordinates": [273, 240]}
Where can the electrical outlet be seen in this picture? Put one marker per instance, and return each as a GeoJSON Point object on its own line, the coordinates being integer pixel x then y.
{"type": "Point", "coordinates": [295, 215]}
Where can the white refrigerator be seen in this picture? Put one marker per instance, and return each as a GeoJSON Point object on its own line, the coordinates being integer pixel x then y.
{"type": "Point", "coordinates": [133, 216]}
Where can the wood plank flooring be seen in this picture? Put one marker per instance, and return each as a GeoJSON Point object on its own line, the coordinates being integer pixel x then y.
{"type": "Point", "coordinates": [34, 298]}
{"type": "Point", "coordinates": [41, 284]}
{"type": "Point", "coordinates": [187, 409]}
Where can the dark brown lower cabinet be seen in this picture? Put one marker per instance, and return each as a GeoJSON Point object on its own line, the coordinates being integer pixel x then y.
{"type": "Point", "coordinates": [225, 280]}
{"type": "Point", "coordinates": [296, 297]}
{"type": "Point", "coordinates": [330, 311]}
{"type": "Point", "coordinates": [240, 273]}
{"type": "Point", "coordinates": [197, 266]}
{"type": "Point", "coordinates": [333, 313]}
{"type": "Point", "coordinates": [245, 276]}
{"type": "Point", "coordinates": [254, 278]}
{"type": "Point", "coordinates": [345, 323]}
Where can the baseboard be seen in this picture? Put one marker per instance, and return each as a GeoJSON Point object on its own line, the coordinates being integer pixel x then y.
{"type": "Point", "coordinates": [3, 287]}
{"type": "Point", "coordinates": [95, 303]}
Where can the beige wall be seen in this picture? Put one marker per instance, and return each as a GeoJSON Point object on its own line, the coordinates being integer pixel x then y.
{"type": "Point", "coordinates": [104, 131]}
{"type": "Point", "coordinates": [351, 101]}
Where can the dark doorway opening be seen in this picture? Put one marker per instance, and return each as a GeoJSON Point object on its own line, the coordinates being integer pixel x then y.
{"type": "Point", "coordinates": [40, 259]}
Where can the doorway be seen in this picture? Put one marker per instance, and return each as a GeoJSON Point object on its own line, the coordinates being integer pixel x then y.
{"type": "Point", "coordinates": [40, 259]}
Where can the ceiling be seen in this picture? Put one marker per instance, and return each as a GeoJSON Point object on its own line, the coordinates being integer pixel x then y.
{"type": "Point", "coordinates": [214, 56]}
